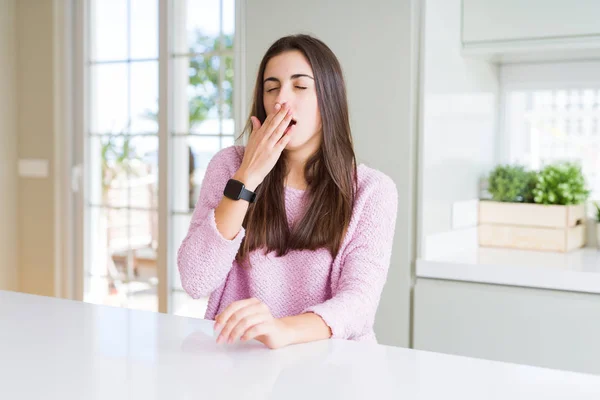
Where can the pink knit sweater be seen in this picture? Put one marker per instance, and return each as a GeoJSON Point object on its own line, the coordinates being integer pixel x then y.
{"type": "Point", "coordinates": [344, 290]}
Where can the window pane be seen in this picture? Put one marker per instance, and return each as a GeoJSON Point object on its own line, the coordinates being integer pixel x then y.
{"type": "Point", "coordinates": [125, 171]}
{"type": "Point", "coordinates": [108, 30]}
{"type": "Point", "coordinates": [143, 241]}
{"type": "Point", "coordinates": [123, 252]}
{"type": "Point", "coordinates": [200, 86]}
{"type": "Point", "coordinates": [144, 29]}
{"type": "Point", "coordinates": [197, 28]}
{"type": "Point", "coordinates": [109, 106]}
{"type": "Point", "coordinates": [110, 98]}
{"type": "Point", "coordinates": [143, 172]}
{"type": "Point", "coordinates": [144, 97]}
{"type": "Point", "coordinates": [228, 17]}
{"type": "Point", "coordinates": [548, 126]}
{"type": "Point", "coordinates": [122, 170]}
{"type": "Point", "coordinates": [191, 156]}
{"type": "Point", "coordinates": [227, 141]}
{"type": "Point", "coordinates": [110, 172]}
{"type": "Point", "coordinates": [107, 238]}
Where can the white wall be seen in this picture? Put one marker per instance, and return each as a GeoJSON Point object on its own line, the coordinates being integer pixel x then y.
{"type": "Point", "coordinates": [458, 120]}
{"type": "Point", "coordinates": [377, 49]}
{"type": "Point", "coordinates": [8, 147]}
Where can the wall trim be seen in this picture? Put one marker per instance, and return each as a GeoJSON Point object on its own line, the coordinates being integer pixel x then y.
{"type": "Point", "coordinates": [63, 148]}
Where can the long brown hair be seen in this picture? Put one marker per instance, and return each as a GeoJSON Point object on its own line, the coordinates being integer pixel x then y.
{"type": "Point", "coordinates": [330, 172]}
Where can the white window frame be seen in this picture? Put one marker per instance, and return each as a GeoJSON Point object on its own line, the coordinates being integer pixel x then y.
{"type": "Point", "coordinates": [74, 189]}
{"type": "Point", "coordinates": [65, 273]}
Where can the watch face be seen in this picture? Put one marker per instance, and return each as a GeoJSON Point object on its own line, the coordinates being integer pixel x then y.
{"type": "Point", "coordinates": [233, 189]}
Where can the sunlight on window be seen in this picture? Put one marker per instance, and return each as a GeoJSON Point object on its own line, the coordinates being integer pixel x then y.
{"type": "Point", "coordinates": [123, 138]}
{"type": "Point", "coordinates": [546, 126]}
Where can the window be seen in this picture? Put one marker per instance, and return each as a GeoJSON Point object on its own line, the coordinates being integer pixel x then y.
{"type": "Point", "coordinates": [124, 138]}
{"type": "Point", "coordinates": [202, 112]}
{"type": "Point", "coordinates": [552, 113]}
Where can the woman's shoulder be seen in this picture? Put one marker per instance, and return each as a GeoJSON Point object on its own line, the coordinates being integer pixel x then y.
{"type": "Point", "coordinates": [373, 182]}
{"type": "Point", "coordinates": [375, 208]}
{"type": "Point", "coordinates": [228, 159]}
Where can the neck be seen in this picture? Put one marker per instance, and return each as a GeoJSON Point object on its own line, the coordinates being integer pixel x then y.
{"type": "Point", "coordinates": [296, 162]}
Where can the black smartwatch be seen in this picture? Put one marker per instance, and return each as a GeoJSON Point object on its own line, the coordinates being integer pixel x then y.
{"type": "Point", "coordinates": [236, 190]}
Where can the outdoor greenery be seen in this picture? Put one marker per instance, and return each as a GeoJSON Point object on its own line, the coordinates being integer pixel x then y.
{"type": "Point", "coordinates": [119, 154]}
{"type": "Point", "coordinates": [203, 73]}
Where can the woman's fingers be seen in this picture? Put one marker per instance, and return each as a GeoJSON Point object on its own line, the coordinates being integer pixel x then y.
{"type": "Point", "coordinates": [246, 323]}
{"type": "Point", "coordinates": [280, 130]}
{"type": "Point", "coordinates": [241, 311]}
{"type": "Point", "coordinates": [255, 123]}
{"type": "Point", "coordinates": [276, 121]}
{"type": "Point", "coordinates": [234, 320]}
{"type": "Point", "coordinates": [255, 331]}
{"type": "Point", "coordinates": [261, 154]}
{"type": "Point", "coordinates": [285, 139]}
{"type": "Point", "coordinates": [271, 122]}
{"type": "Point", "coordinates": [222, 318]}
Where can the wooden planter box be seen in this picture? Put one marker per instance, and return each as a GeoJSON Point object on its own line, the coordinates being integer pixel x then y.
{"type": "Point", "coordinates": [531, 226]}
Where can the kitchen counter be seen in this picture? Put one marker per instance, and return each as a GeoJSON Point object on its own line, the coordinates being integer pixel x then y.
{"type": "Point", "coordinates": [60, 349]}
{"type": "Point", "coordinates": [576, 271]}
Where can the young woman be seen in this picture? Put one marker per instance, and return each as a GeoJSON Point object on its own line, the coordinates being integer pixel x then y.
{"type": "Point", "coordinates": [290, 238]}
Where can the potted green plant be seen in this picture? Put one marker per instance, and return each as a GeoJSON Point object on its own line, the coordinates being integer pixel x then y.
{"type": "Point", "coordinates": [562, 184]}
{"type": "Point", "coordinates": [512, 183]}
{"type": "Point", "coordinates": [534, 210]}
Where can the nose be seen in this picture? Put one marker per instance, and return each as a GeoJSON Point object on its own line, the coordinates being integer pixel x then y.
{"type": "Point", "coordinates": [283, 97]}
{"type": "Point", "coordinates": [281, 102]}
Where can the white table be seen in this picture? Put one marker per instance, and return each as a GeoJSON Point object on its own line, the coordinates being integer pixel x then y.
{"type": "Point", "coordinates": [67, 350]}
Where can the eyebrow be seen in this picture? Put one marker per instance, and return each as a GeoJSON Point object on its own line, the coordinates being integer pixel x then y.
{"type": "Point", "coordinates": [271, 78]}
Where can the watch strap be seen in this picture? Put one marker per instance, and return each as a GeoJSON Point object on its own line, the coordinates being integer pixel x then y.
{"type": "Point", "coordinates": [247, 195]}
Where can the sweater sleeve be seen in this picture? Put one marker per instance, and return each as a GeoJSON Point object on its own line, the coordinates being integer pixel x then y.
{"type": "Point", "coordinates": [350, 313]}
{"type": "Point", "coordinates": [205, 257]}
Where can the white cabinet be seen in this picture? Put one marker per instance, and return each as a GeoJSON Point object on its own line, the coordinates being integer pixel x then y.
{"type": "Point", "coordinates": [546, 328]}
{"type": "Point", "coordinates": [493, 20]}
{"type": "Point", "coordinates": [507, 27]}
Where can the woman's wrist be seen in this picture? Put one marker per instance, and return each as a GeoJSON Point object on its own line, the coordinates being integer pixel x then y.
{"type": "Point", "coordinates": [304, 328]}
{"type": "Point", "coordinates": [249, 182]}
{"type": "Point", "coordinates": [288, 332]}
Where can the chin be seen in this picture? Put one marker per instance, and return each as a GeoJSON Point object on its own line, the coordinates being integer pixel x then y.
{"type": "Point", "coordinates": [293, 144]}
{"type": "Point", "coordinates": [299, 141]}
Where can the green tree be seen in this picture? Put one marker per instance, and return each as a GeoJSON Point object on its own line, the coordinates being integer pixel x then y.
{"type": "Point", "coordinates": [203, 73]}
{"type": "Point", "coordinates": [203, 88]}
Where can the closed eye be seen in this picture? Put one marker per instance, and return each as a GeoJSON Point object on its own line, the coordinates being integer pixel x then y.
{"type": "Point", "coordinates": [299, 87]}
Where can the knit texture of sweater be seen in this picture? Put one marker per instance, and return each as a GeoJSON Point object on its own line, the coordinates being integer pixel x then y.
{"type": "Point", "coordinates": [344, 291]}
